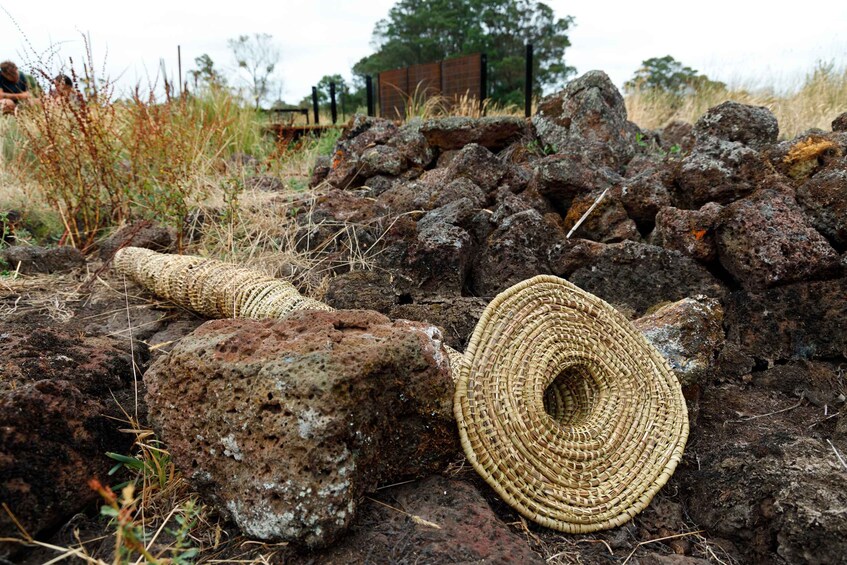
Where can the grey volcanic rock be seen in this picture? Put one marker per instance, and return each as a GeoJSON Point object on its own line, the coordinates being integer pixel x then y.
{"type": "Point", "coordinates": [456, 316]}
{"type": "Point", "coordinates": [634, 276]}
{"type": "Point", "coordinates": [803, 320]}
{"type": "Point", "coordinates": [645, 194]}
{"type": "Point", "coordinates": [824, 199]}
{"type": "Point", "coordinates": [492, 132]}
{"type": "Point", "coordinates": [515, 251]}
{"type": "Point", "coordinates": [607, 222]}
{"type": "Point", "coordinates": [285, 424]}
{"type": "Point", "coordinates": [29, 259]}
{"type": "Point", "coordinates": [480, 166]}
{"type": "Point", "coordinates": [687, 333]}
{"type": "Point", "coordinates": [840, 122]}
{"type": "Point", "coordinates": [468, 531]}
{"type": "Point", "coordinates": [719, 171]}
{"type": "Point", "coordinates": [689, 231]}
{"type": "Point", "coordinates": [755, 126]}
{"type": "Point", "coordinates": [561, 178]}
{"type": "Point", "coordinates": [363, 290]}
{"type": "Point", "coordinates": [440, 258]}
{"type": "Point", "coordinates": [764, 240]}
{"type": "Point", "coordinates": [588, 117]}
{"type": "Point", "coordinates": [412, 145]}
{"type": "Point", "coordinates": [773, 486]}
{"type": "Point", "coordinates": [362, 133]}
{"type": "Point", "coordinates": [140, 234]}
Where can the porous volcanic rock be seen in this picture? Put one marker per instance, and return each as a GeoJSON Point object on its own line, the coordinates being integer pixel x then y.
{"type": "Point", "coordinates": [381, 160]}
{"type": "Point", "coordinates": [608, 222]}
{"type": "Point", "coordinates": [633, 276]}
{"type": "Point", "coordinates": [434, 189]}
{"type": "Point", "coordinates": [320, 170]}
{"type": "Point", "coordinates": [803, 320]}
{"type": "Point", "coordinates": [365, 290]}
{"type": "Point", "coordinates": [840, 122]}
{"type": "Point", "coordinates": [456, 316]}
{"type": "Point", "coordinates": [362, 133]}
{"type": "Point", "coordinates": [440, 258]}
{"type": "Point", "coordinates": [515, 251]}
{"type": "Point", "coordinates": [30, 259]}
{"type": "Point", "coordinates": [807, 154]}
{"type": "Point", "coordinates": [561, 178]}
{"type": "Point", "coordinates": [679, 134]}
{"type": "Point", "coordinates": [492, 132]}
{"type": "Point", "coordinates": [57, 420]}
{"type": "Point", "coordinates": [689, 231]}
{"type": "Point", "coordinates": [719, 171]}
{"type": "Point", "coordinates": [347, 400]}
{"type": "Point", "coordinates": [588, 117]}
{"type": "Point", "coordinates": [645, 194]}
{"type": "Point", "coordinates": [412, 144]}
{"type": "Point", "coordinates": [143, 233]}
{"type": "Point", "coordinates": [755, 126]}
{"type": "Point", "coordinates": [479, 165]}
{"type": "Point", "coordinates": [824, 199]}
{"type": "Point", "coordinates": [688, 333]}
{"type": "Point", "coordinates": [771, 485]}
{"type": "Point", "coordinates": [763, 240]}
{"type": "Point", "coordinates": [467, 530]}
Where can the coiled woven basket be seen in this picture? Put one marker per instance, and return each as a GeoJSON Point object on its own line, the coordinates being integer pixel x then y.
{"type": "Point", "coordinates": [563, 407]}
{"type": "Point", "coordinates": [566, 410]}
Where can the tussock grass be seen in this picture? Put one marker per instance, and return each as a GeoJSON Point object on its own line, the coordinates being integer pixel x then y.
{"type": "Point", "coordinates": [813, 104]}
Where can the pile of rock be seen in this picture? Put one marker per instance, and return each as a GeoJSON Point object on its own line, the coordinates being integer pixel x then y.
{"type": "Point", "coordinates": [725, 246]}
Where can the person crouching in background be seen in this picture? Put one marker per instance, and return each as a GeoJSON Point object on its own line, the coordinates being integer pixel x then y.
{"type": "Point", "coordinates": [13, 87]}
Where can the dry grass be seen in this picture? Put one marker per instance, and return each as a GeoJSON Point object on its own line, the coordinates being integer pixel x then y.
{"type": "Point", "coordinates": [813, 104]}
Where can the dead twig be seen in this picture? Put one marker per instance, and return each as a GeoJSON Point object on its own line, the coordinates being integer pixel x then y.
{"type": "Point", "coordinates": [416, 519]}
{"type": "Point", "coordinates": [665, 538]}
{"type": "Point", "coordinates": [838, 455]}
{"type": "Point", "coordinates": [757, 416]}
{"type": "Point", "coordinates": [587, 212]}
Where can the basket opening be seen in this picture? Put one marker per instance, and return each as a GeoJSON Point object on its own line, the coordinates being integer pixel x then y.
{"type": "Point", "coordinates": [572, 396]}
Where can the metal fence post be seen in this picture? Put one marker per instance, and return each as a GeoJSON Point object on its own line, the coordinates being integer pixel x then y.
{"type": "Point", "coordinates": [483, 80]}
{"type": "Point", "coordinates": [528, 86]}
{"type": "Point", "coordinates": [315, 104]}
{"type": "Point", "coordinates": [332, 108]}
{"type": "Point", "coordinates": [369, 88]}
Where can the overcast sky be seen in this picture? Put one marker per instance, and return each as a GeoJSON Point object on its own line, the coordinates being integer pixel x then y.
{"type": "Point", "coordinates": [759, 43]}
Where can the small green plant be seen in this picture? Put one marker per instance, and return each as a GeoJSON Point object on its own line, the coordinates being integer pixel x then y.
{"type": "Point", "coordinates": [130, 537]}
{"type": "Point", "coordinates": [182, 551]}
{"type": "Point", "coordinates": [535, 147]}
{"type": "Point", "coordinates": [153, 464]}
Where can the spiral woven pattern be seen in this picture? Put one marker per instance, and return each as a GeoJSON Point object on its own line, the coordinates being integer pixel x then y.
{"type": "Point", "coordinates": [566, 410]}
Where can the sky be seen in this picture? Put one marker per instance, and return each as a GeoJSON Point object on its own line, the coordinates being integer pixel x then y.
{"type": "Point", "coordinates": [748, 43]}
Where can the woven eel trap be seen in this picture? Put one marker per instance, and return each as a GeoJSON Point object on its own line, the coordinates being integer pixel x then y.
{"type": "Point", "coordinates": [566, 410]}
{"type": "Point", "coordinates": [563, 407]}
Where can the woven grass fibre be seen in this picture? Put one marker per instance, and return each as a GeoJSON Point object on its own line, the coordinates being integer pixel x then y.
{"type": "Point", "coordinates": [566, 410]}
{"type": "Point", "coordinates": [211, 287]}
{"type": "Point", "coordinates": [563, 407]}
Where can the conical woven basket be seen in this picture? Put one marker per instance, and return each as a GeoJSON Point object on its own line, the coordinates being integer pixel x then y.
{"type": "Point", "coordinates": [566, 410]}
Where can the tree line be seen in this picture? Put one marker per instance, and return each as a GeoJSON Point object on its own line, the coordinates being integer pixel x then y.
{"type": "Point", "coordinates": [423, 31]}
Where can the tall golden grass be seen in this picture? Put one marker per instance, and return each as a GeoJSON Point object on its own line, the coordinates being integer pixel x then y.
{"type": "Point", "coordinates": [814, 104]}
